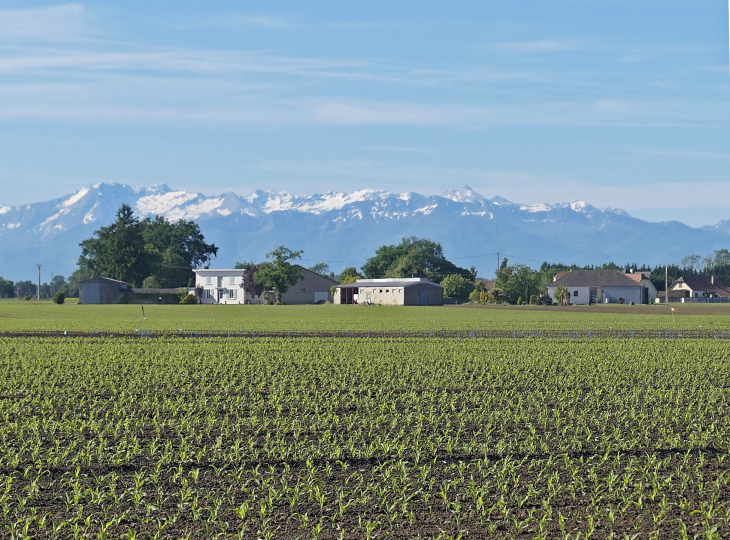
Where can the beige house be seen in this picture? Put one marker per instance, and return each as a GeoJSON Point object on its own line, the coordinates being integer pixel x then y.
{"type": "Point", "coordinates": [391, 292]}
{"type": "Point", "coordinates": [700, 287]}
{"type": "Point", "coordinates": [312, 288]}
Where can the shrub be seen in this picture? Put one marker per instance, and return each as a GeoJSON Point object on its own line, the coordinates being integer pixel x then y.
{"type": "Point", "coordinates": [182, 292]}
{"type": "Point", "coordinates": [59, 297]}
{"type": "Point", "coordinates": [519, 300]}
{"type": "Point", "coordinates": [151, 283]}
{"type": "Point", "coordinates": [189, 299]}
{"type": "Point", "coordinates": [533, 299]}
{"type": "Point", "coordinates": [26, 297]}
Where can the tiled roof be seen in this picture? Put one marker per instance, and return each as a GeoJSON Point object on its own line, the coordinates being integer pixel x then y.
{"type": "Point", "coordinates": [595, 278]}
{"type": "Point", "coordinates": [701, 283]}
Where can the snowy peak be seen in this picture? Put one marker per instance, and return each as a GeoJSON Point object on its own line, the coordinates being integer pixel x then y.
{"type": "Point", "coordinates": [463, 195]}
{"type": "Point", "coordinates": [340, 226]}
{"type": "Point", "coordinates": [97, 204]}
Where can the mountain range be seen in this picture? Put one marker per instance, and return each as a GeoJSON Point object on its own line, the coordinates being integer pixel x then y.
{"type": "Point", "coordinates": [345, 229]}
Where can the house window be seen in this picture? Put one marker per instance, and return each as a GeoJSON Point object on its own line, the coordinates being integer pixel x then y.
{"type": "Point", "coordinates": [208, 280]}
{"type": "Point", "coordinates": [207, 293]}
{"type": "Point", "coordinates": [232, 294]}
{"type": "Point", "coordinates": [679, 285]}
{"type": "Point", "coordinates": [575, 293]}
{"type": "Point", "coordinates": [231, 280]}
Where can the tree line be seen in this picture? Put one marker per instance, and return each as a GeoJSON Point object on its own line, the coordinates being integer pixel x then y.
{"type": "Point", "coordinates": [155, 252]}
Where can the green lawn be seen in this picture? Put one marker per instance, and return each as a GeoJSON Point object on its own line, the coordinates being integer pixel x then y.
{"type": "Point", "coordinates": [46, 316]}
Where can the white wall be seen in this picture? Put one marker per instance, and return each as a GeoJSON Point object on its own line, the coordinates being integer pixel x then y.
{"type": "Point", "coordinates": [582, 298]}
{"type": "Point", "coordinates": [208, 280]}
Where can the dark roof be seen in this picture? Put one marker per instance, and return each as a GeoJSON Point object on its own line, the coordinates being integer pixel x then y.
{"type": "Point", "coordinates": [488, 283]}
{"type": "Point", "coordinates": [102, 279]}
{"type": "Point", "coordinates": [699, 283]}
{"type": "Point", "coordinates": [307, 270]}
{"type": "Point", "coordinates": [595, 278]}
{"type": "Point", "coordinates": [389, 284]}
{"type": "Point", "coordinates": [137, 290]}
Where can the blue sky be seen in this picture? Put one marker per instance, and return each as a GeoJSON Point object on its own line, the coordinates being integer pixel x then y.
{"type": "Point", "coordinates": [619, 103]}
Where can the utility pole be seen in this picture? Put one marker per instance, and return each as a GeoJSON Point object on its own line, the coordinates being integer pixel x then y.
{"type": "Point", "coordinates": [666, 284]}
{"type": "Point", "coordinates": [497, 270]}
{"type": "Point", "coordinates": [51, 284]}
{"type": "Point", "coordinates": [39, 281]}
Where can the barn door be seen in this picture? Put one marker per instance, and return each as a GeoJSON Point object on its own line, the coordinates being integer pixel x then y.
{"type": "Point", "coordinates": [422, 298]}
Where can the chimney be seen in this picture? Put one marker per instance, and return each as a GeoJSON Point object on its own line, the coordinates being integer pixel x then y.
{"type": "Point", "coordinates": [712, 279]}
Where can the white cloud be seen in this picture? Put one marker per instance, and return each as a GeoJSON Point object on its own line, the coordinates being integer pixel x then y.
{"type": "Point", "coordinates": [543, 45]}
{"type": "Point", "coordinates": [260, 21]}
{"type": "Point", "coordinates": [47, 24]}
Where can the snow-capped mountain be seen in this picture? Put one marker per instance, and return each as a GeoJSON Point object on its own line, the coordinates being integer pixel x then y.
{"type": "Point", "coordinates": [344, 229]}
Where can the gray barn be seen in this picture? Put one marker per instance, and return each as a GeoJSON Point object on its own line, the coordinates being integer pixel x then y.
{"type": "Point", "coordinates": [101, 290]}
{"type": "Point", "coordinates": [391, 292]}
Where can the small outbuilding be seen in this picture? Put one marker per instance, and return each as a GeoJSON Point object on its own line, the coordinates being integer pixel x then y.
{"type": "Point", "coordinates": [391, 292]}
{"type": "Point", "coordinates": [101, 290]}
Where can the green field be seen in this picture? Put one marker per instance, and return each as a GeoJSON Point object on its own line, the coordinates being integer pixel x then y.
{"type": "Point", "coordinates": [364, 438]}
{"type": "Point", "coordinates": [46, 316]}
{"type": "Point", "coordinates": [374, 437]}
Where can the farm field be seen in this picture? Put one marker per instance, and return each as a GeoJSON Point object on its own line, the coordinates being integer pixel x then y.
{"type": "Point", "coordinates": [364, 438]}
{"type": "Point", "coordinates": [49, 317]}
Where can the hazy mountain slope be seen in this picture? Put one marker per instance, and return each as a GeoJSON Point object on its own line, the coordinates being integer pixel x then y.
{"type": "Point", "coordinates": [344, 229]}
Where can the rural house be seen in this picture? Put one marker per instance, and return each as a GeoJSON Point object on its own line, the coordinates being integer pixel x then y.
{"type": "Point", "coordinates": [391, 292]}
{"type": "Point", "coordinates": [223, 286]}
{"type": "Point", "coordinates": [699, 288]}
{"type": "Point", "coordinates": [600, 286]}
{"type": "Point", "coordinates": [643, 279]}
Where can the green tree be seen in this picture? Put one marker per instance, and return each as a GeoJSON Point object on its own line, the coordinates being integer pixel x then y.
{"type": "Point", "coordinates": [517, 281]}
{"type": "Point", "coordinates": [475, 295]}
{"type": "Point", "coordinates": [349, 275]}
{"type": "Point", "coordinates": [248, 283]}
{"type": "Point", "coordinates": [7, 288]}
{"type": "Point", "coordinates": [179, 247]}
{"type": "Point", "coordinates": [456, 286]}
{"type": "Point", "coordinates": [279, 274]}
{"type": "Point", "coordinates": [131, 250]}
{"type": "Point", "coordinates": [320, 268]}
{"type": "Point", "coordinates": [119, 251]}
{"type": "Point", "coordinates": [413, 257]}
{"type": "Point", "coordinates": [26, 288]}
{"type": "Point", "coordinates": [561, 295]}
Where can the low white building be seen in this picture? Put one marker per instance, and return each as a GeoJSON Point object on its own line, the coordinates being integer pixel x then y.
{"type": "Point", "coordinates": [600, 286]}
{"type": "Point", "coordinates": [391, 292]}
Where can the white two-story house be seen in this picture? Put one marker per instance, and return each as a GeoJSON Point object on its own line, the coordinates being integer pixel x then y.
{"type": "Point", "coordinates": [220, 286]}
